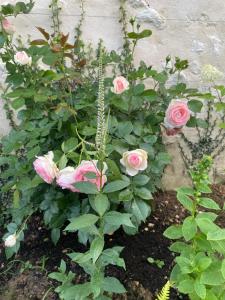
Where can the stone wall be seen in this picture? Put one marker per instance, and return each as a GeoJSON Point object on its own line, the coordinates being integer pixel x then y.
{"type": "Point", "coordinates": [189, 29]}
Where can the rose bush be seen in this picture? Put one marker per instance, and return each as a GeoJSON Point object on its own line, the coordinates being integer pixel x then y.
{"type": "Point", "coordinates": [105, 152]}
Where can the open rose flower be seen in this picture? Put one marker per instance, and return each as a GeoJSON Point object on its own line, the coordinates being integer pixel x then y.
{"type": "Point", "coordinates": [120, 84]}
{"type": "Point", "coordinates": [22, 58]}
{"type": "Point", "coordinates": [86, 167]}
{"type": "Point", "coordinates": [135, 161]}
{"type": "Point", "coordinates": [177, 114]}
{"type": "Point", "coordinates": [8, 27]}
{"type": "Point", "coordinates": [69, 176]}
{"type": "Point", "coordinates": [10, 241]}
{"type": "Point", "coordinates": [66, 179]}
{"type": "Point", "coordinates": [46, 168]}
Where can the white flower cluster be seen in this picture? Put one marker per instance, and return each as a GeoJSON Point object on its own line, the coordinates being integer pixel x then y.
{"type": "Point", "coordinates": [210, 73]}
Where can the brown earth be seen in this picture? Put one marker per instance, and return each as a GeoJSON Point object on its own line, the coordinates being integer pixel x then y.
{"type": "Point", "coordinates": [27, 275]}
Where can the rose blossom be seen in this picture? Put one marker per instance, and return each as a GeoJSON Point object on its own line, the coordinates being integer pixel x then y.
{"type": "Point", "coordinates": [45, 167]}
{"type": "Point", "coordinates": [8, 27]}
{"type": "Point", "coordinates": [135, 161]}
{"type": "Point", "coordinates": [65, 178]}
{"type": "Point", "coordinates": [87, 166]}
{"type": "Point", "coordinates": [177, 114]}
{"type": "Point", "coordinates": [10, 241]}
{"type": "Point", "coordinates": [120, 85]}
{"type": "Point", "coordinates": [22, 58]}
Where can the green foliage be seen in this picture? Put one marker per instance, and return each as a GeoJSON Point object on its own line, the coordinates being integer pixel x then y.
{"type": "Point", "coordinates": [62, 108]}
{"type": "Point", "coordinates": [199, 266]}
{"type": "Point", "coordinates": [165, 293]}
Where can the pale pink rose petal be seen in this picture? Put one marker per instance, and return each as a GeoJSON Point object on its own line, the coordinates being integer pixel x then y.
{"type": "Point", "coordinates": [120, 84]}
{"type": "Point", "coordinates": [134, 161]}
{"type": "Point", "coordinates": [65, 179]}
{"type": "Point", "coordinates": [45, 167]}
{"type": "Point", "coordinates": [177, 114]}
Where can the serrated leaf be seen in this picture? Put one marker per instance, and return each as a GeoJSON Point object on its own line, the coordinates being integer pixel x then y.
{"type": "Point", "coordinates": [112, 285]}
{"type": "Point", "coordinates": [189, 228]}
{"type": "Point", "coordinates": [96, 248]}
{"type": "Point", "coordinates": [115, 186]}
{"type": "Point", "coordinates": [86, 187]}
{"type": "Point", "coordinates": [101, 204]}
{"type": "Point", "coordinates": [208, 203]}
{"type": "Point", "coordinates": [173, 232]}
{"type": "Point", "coordinates": [82, 222]}
{"type": "Point", "coordinates": [185, 201]}
{"type": "Point", "coordinates": [200, 289]}
{"type": "Point", "coordinates": [118, 219]}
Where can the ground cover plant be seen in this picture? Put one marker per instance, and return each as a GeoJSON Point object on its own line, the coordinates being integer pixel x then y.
{"type": "Point", "coordinates": [87, 152]}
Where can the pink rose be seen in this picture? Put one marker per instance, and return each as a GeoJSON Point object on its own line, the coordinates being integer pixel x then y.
{"type": "Point", "coordinates": [22, 58]}
{"type": "Point", "coordinates": [120, 85]}
{"type": "Point", "coordinates": [87, 167]}
{"type": "Point", "coordinates": [177, 114]}
{"type": "Point", "coordinates": [134, 161]}
{"type": "Point", "coordinates": [8, 27]}
{"type": "Point", "coordinates": [46, 168]}
{"type": "Point", "coordinates": [66, 179]}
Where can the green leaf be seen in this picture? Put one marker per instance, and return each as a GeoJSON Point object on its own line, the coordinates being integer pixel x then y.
{"type": "Point", "coordinates": [112, 285]}
{"type": "Point", "coordinates": [62, 267]}
{"type": "Point", "coordinates": [55, 235]}
{"type": "Point", "coordinates": [212, 276]}
{"type": "Point", "coordinates": [63, 162]}
{"type": "Point", "coordinates": [77, 292]}
{"type": "Point", "coordinates": [69, 145]}
{"type": "Point", "coordinates": [206, 225]}
{"type": "Point", "coordinates": [140, 209]}
{"type": "Point", "coordinates": [186, 190]}
{"type": "Point", "coordinates": [223, 268]}
{"type": "Point", "coordinates": [189, 228]}
{"type": "Point", "coordinates": [203, 263]}
{"type": "Point", "coordinates": [117, 219]}
{"type": "Point", "coordinates": [96, 248]}
{"type": "Point", "coordinates": [86, 187]}
{"type": "Point", "coordinates": [124, 128]}
{"type": "Point", "coordinates": [18, 103]}
{"type": "Point", "coordinates": [217, 235]}
{"type": "Point", "coordinates": [82, 222]}
{"type": "Point", "coordinates": [90, 175]}
{"type": "Point", "coordinates": [178, 247]}
{"type": "Point", "coordinates": [101, 204]}
{"type": "Point", "coordinates": [195, 105]}
{"type": "Point", "coordinates": [115, 186]}
{"type": "Point", "coordinates": [186, 286]}
{"type": "Point", "coordinates": [184, 264]}
{"type": "Point", "coordinates": [207, 215]}
{"type": "Point", "coordinates": [173, 232]}
{"type": "Point", "coordinates": [200, 289]}
{"type": "Point", "coordinates": [143, 193]}
{"type": "Point", "coordinates": [208, 203]}
{"type": "Point", "coordinates": [137, 36]}
{"type": "Point", "coordinates": [126, 195]}
{"type": "Point", "coordinates": [185, 201]}
{"type": "Point", "coordinates": [141, 179]}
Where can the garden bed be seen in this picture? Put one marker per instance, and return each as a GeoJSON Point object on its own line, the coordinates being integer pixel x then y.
{"type": "Point", "coordinates": [142, 279]}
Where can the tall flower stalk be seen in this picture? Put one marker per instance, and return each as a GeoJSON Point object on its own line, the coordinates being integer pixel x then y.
{"type": "Point", "coordinates": [101, 123]}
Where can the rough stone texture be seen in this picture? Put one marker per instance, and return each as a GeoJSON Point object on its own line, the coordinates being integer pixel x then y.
{"type": "Point", "coordinates": [189, 29]}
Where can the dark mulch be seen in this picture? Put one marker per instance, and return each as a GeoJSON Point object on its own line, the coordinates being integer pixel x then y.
{"type": "Point", "coordinates": [140, 277]}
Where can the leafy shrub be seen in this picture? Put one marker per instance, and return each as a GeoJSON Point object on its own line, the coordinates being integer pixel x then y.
{"type": "Point", "coordinates": [199, 269]}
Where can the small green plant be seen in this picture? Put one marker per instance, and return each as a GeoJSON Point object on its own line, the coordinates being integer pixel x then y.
{"type": "Point", "coordinates": [199, 269]}
{"type": "Point", "coordinates": [158, 262]}
{"type": "Point", "coordinates": [165, 293]}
